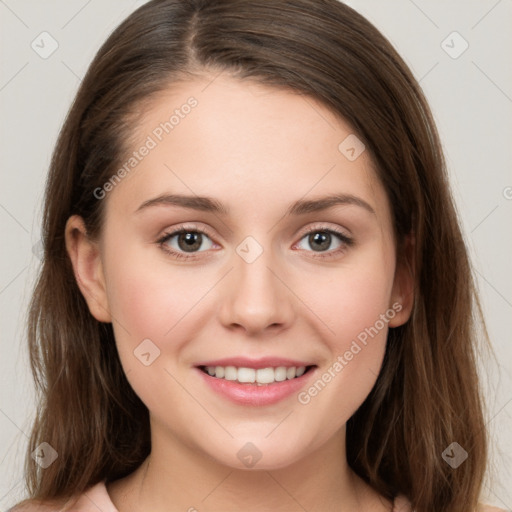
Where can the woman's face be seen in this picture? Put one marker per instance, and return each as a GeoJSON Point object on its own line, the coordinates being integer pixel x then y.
{"type": "Point", "coordinates": [266, 269]}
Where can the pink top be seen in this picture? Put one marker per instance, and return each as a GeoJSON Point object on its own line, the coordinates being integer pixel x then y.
{"type": "Point", "coordinates": [94, 499]}
{"type": "Point", "coordinates": [97, 498]}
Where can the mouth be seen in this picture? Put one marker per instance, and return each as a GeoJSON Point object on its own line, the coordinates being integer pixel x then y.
{"type": "Point", "coordinates": [256, 376]}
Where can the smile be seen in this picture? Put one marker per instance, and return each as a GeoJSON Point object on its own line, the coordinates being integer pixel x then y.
{"type": "Point", "coordinates": [260, 376]}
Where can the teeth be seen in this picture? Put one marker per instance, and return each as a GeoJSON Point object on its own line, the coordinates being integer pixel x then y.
{"type": "Point", "coordinates": [246, 375]}
{"type": "Point", "coordinates": [280, 374]}
{"type": "Point", "coordinates": [260, 376]}
{"type": "Point", "coordinates": [229, 373]}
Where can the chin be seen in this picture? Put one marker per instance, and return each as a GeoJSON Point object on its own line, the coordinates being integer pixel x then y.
{"type": "Point", "coordinates": [259, 454]}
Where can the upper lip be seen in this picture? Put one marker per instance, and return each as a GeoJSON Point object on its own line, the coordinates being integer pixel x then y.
{"type": "Point", "coordinates": [264, 362]}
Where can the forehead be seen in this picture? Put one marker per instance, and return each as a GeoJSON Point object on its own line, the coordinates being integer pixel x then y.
{"type": "Point", "coordinates": [248, 143]}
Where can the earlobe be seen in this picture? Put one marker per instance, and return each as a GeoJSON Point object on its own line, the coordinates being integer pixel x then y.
{"type": "Point", "coordinates": [87, 266]}
{"type": "Point", "coordinates": [402, 296]}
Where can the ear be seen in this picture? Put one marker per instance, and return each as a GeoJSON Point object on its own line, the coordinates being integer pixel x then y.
{"type": "Point", "coordinates": [402, 295]}
{"type": "Point", "coordinates": [86, 260]}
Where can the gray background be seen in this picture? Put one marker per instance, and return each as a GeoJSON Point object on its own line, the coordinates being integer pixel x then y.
{"type": "Point", "coordinates": [470, 93]}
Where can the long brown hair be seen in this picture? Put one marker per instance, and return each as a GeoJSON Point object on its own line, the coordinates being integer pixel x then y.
{"type": "Point", "coordinates": [427, 395]}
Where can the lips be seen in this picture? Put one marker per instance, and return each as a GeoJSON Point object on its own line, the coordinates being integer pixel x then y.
{"type": "Point", "coordinates": [254, 393]}
{"type": "Point", "coordinates": [265, 362]}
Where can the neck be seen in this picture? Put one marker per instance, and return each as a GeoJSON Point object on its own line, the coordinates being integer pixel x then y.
{"type": "Point", "coordinates": [177, 477]}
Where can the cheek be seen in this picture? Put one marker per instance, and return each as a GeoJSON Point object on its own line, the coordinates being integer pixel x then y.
{"type": "Point", "coordinates": [361, 306]}
{"type": "Point", "coordinates": [153, 319]}
{"type": "Point", "coordinates": [147, 296]}
{"type": "Point", "coordinates": [354, 298]}
{"type": "Point", "coordinates": [357, 311]}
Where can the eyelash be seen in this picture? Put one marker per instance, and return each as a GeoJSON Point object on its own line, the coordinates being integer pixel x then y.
{"type": "Point", "coordinates": [346, 240]}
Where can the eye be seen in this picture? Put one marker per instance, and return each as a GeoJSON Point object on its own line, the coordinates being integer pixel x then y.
{"type": "Point", "coordinates": [321, 238]}
{"type": "Point", "coordinates": [187, 239]}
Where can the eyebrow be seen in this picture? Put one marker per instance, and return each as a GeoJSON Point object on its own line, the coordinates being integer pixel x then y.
{"type": "Point", "coordinates": [300, 207]}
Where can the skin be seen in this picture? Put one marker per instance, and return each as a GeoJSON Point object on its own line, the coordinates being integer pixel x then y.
{"type": "Point", "coordinates": [256, 150]}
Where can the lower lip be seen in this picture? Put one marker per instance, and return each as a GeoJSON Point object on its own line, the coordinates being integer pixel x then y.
{"type": "Point", "coordinates": [252, 394]}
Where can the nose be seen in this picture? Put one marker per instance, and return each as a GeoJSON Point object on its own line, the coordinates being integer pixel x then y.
{"type": "Point", "coordinates": [256, 296]}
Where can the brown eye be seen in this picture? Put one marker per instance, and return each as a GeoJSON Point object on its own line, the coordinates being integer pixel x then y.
{"type": "Point", "coordinates": [189, 241]}
{"type": "Point", "coordinates": [182, 241]}
{"type": "Point", "coordinates": [321, 241]}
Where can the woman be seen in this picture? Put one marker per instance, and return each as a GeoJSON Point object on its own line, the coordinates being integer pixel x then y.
{"type": "Point", "coordinates": [194, 349]}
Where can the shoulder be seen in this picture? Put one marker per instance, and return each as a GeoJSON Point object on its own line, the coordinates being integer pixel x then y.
{"type": "Point", "coordinates": [488, 508]}
{"type": "Point", "coordinates": [402, 504]}
{"type": "Point", "coordinates": [38, 506]}
{"type": "Point", "coordinates": [32, 505]}
{"type": "Point", "coordinates": [94, 499]}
